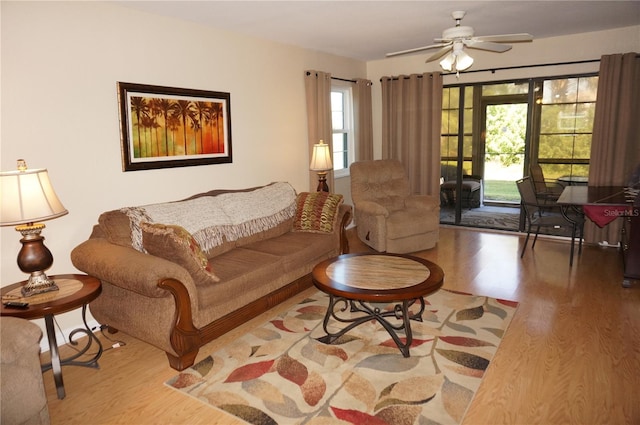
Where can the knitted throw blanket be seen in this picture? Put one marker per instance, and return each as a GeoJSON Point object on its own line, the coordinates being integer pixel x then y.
{"type": "Point", "coordinates": [213, 219]}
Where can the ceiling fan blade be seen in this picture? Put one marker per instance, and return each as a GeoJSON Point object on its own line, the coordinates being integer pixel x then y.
{"type": "Point", "coordinates": [417, 49]}
{"type": "Point", "coordinates": [505, 38]}
{"type": "Point", "coordinates": [486, 45]}
{"type": "Point", "coordinates": [440, 53]}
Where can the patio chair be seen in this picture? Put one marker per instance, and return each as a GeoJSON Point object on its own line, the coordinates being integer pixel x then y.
{"type": "Point", "coordinates": [471, 191]}
{"type": "Point", "coordinates": [538, 215]}
{"type": "Point", "coordinates": [548, 190]}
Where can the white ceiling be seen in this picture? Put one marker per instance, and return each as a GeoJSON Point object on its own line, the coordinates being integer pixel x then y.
{"type": "Point", "coordinates": [367, 30]}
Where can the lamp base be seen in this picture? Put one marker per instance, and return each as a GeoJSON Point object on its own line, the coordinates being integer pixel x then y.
{"type": "Point", "coordinates": [34, 258]}
{"type": "Point", "coordinates": [322, 183]}
{"type": "Point", "coordinates": [38, 283]}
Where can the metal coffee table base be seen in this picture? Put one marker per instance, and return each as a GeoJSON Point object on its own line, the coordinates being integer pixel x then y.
{"type": "Point", "coordinates": [338, 305]}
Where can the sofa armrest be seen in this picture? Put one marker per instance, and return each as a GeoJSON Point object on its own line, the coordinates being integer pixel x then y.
{"type": "Point", "coordinates": [423, 202]}
{"type": "Point", "coordinates": [345, 215]}
{"type": "Point", "coordinates": [127, 268]}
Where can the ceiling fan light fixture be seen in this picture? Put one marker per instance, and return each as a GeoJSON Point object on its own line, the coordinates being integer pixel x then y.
{"type": "Point", "coordinates": [447, 63]}
{"type": "Point", "coordinates": [457, 39]}
{"type": "Point", "coordinates": [463, 61]}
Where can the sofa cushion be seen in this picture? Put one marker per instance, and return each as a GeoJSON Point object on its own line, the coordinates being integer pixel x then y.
{"type": "Point", "coordinates": [316, 212]}
{"type": "Point", "coordinates": [298, 248]}
{"type": "Point", "coordinates": [176, 244]}
{"type": "Point", "coordinates": [239, 270]}
{"type": "Point", "coordinates": [272, 232]}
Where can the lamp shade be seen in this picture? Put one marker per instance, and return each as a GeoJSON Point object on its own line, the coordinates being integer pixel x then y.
{"type": "Point", "coordinates": [321, 157]}
{"type": "Point", "coordinates": [28, 197]}
{"type": "Point", "coordinates": [463, 61]}
{"type": "Point", "coordinates": [457, 56]}
{"type": "Point", "coordinates": [447, 62]}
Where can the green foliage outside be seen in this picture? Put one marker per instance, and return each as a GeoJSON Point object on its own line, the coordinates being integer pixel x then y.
{"type": "Point", "coordinates": [506, 130]}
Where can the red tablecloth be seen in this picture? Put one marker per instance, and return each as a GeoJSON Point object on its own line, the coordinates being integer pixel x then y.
{"type": "Point", "coordinates": [605, 214]}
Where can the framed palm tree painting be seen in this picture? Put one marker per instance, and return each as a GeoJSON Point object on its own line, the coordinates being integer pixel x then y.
{"type": "Point", "coordinates": [163, 127]}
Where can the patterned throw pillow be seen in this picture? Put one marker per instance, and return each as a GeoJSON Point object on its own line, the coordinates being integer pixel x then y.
{"type": "Point", "coordinates": [176, 244]}
{"type": "Point", "coordinates": [316, 212]}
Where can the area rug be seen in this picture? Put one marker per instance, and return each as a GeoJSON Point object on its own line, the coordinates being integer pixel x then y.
{"type": "Point", "coordinates": [490, 217]}
{"type": "Point", "coordinates": [280, 374]}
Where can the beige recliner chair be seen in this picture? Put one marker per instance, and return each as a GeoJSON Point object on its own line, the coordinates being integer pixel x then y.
{"type": "Point", "coordinates": [388, 217]}
{"type": "Point", "coordinates": [23, 399]}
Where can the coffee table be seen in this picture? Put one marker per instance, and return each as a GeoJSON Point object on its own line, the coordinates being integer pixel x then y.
{"type": "Point", "coordinates": [366, 283]}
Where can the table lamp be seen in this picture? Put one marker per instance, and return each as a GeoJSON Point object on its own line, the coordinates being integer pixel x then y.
{"type": "Point", "coordinates": [321, 163]}
{"type": "Point", "coordinates": [28, 198]}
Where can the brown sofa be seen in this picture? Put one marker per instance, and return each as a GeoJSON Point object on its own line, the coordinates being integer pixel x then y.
{"type": "Point", "coordinates": [180, 274]}
{"type": "Point", "coordinates": [23, 399]}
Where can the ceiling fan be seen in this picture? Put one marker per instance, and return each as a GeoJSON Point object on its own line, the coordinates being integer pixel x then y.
{"type": "Point", "coordinates": [454, 40]}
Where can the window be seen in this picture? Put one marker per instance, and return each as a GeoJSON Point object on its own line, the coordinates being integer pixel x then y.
{"type": "Point", "coordinates": [342, 123]}
{"type": "Point", "coordinates": [566, 109]}
{"type": "Point", "coordinates": [505, 126]}
{"type": "Point", "coordinates": [449, 140]}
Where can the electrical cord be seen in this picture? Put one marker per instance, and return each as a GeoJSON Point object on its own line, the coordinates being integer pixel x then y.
{"type": "Point", "coordinates": [69, 343]}
{"type": "Point", "coordinates": [116, 343]}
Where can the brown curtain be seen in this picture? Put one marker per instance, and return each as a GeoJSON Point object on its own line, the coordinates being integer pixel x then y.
{"type": "Point", "coordinates": [363, 122]}
{"type": "Point", "coordinates": [318, 92]}
{"type": "Point", "coordinates": [411, 121]}
{"type": "Point", "coordinates": [615, 146]}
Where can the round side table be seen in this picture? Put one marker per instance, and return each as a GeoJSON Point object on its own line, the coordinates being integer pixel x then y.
{"type": "Point", "coordinates": [76, 290]}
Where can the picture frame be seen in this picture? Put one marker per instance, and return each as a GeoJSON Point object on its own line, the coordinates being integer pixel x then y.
{"type": "Point", "coordinates": [165, 127]}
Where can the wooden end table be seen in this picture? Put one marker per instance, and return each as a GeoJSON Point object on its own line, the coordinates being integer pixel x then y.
{"type": "Point", "coordinates": [361, 280]}
{"type": "Point", "coordinates": [76, 290]}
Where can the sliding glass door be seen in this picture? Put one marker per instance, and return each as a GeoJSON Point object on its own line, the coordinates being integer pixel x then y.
{"type": "Point", "coordinates": [504, 146]}
{"type": "Point", "coordinates": [494, 131]}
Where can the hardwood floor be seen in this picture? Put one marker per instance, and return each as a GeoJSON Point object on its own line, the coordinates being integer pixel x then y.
{"type": "Point", "coordinates": [571, 354]}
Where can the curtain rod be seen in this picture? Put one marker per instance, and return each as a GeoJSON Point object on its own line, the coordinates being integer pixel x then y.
{"type": "Point", "coordinates": [493, 70]}
{"type": "Point", "coordinates": [337, 78]}
{"type": "Point", "coordinates": [343, 79]}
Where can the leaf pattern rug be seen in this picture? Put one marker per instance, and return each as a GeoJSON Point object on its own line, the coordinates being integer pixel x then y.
{"type": "Point", "coordinates": [280, 374]}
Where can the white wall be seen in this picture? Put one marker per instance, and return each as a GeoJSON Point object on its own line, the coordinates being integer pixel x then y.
{"type": "Point", "coordinates": [60, 65]}
{"type": "Point", "coordinates": [578, 47]}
